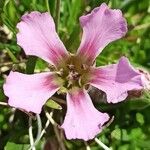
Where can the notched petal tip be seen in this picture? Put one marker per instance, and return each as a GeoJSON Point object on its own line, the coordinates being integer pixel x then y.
{"type": "Point", "coordinates": [82, 120]}
{"type": "Point", "coordinates": [37, 36]}
{"type": "Point", "coordinates": [102, 26]}
{"type": "Point", "coordinates": [29, 92]}
{"type": "Point", "coordinates": [123, 61]}
{"type": "Point", "coordinates": [116, 80]}
{"type": "Point", "coordinates": [85, 18]}
{"type": "Point", "coordinates": [123, 26]}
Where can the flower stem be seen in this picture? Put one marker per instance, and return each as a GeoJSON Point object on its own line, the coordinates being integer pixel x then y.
{"type": "Point", "coordinates": [56, 126]}
{"type": "Point", "coordinates": [39, 123]}
{"type": "Point", "coordinates": [101, 144]}
{"type": "Point", "coordinates": [49, 117]}
{"type": "Point", "coordinates": [47, 6]}
{"type": "Point", "coordinates": [31, 134]}
{"type": "Point", "coordinates": [87, 146]}
{"type": "Point", "coordinates": [12, 56]}
{"type": "Point", "coordinates": [41, 134]}
{"type": "Point", "coordinates": [57, 14]}
{"type": "Point", "coordinates": [3, 103]}
{"type": "Point", "coordinates": [60, 141]}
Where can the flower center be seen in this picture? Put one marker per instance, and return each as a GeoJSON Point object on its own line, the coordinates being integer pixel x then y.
{"type": "Point", "coordinates": [73, 72]}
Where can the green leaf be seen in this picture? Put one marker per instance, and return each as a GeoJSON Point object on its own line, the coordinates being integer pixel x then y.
{"type": "Point", "coordinates": [2, 96]}
{"type": "Point", "coordinates": [140, 118]}
{"type": "Point", "coordinates": [51, 6]}
{"type": "Point", "coordinates": [74, 11]}
{"type": "Point", "coordinates": [13, 146]}
{"type": "Point", "coordinates": [52, 104]}
{"type": "Point", "coordinates": [144, 144]}
{"type": "Point", "coordinates": [10, 11]}
{"type": "Point", "coordinates": [12, 47]}
{"type": "Point", "coordinates": [139, 104]}
{"type": "Point", "coordinates": [40, 65]}
{"type": "Point", "coordinates": [30, 65]}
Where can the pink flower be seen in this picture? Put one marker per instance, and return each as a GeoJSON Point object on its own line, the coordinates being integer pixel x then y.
{"type": "Point", "coordinates": [73, 72]}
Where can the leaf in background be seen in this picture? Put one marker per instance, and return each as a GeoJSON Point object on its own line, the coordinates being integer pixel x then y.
{"type": "Point", "coordinates": [12, 47]}
{"type": "Point", "coordinates": [51, 6]}
{"type": "Point", "coordinates": [1, 8]}
{"type": "Point", "coordinates": [139, 104]}
{"type": "Point", "coordinates": [11, 11]}
{"type": "Point", "coordinates": [75, 10]}
{"type": "Point", "coordinates": [41, 65]}
{"type": "Point", "coordinates": [52, 104]}
{"type": "Point", "coordinates": [140, 118]}
{"type": "Point", "coordinates": [2, 96]}
{"type": "Point", "coordinates": [9, 15]}
{"type": "Point", "coordinates": [144, 144]}
{"type": "Point", "coordinates": [13, 146]}
{"type": "Point", "coordinates": [74, 40]}
{"type": "Point", "coordinates": [30, 65]}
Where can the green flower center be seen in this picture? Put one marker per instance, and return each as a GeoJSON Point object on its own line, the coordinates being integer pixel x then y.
{"type": "Point", "coordinates": [73, 73]}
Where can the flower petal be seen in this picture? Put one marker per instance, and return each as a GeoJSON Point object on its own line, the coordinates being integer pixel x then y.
{"type": "Point", "coordinates": [115, 80]}
{"type": "Point", "coordinates": [82, 120]}
{"type": "Point", "coordinates": [29, 92]}
{"type": "Point", "coordinates": [100, 27]}
{"type": "Point", "coordinates": [37, 36]}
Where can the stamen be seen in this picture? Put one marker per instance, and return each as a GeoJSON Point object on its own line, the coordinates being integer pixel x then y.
{"type": "Point", "coordinates": [85, 67]}
{"type": "Point", "coordinates": [70, 76]}
{"type": "Point", "coordinates": [60, 72]}
{"type": "Point", "coordinates": [73, 75]}
{"type": "Point", "coordinates": [80, 81]}
{"type": "Point", "coordinates": [71, 66]}
{"type": "Point", "coordinates": [70, 83]}
{"type": "Point", "coordinates": [76, 75]}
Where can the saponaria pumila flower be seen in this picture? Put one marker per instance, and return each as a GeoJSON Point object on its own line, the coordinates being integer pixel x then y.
{"type": "Point", "coordinates": [73, 72]}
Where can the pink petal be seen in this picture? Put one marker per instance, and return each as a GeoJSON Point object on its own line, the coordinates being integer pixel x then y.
{"type": "Point", "coordinates": [29, 92]}
{"type": "Point", "coordinates": [115, 80]}
{"type": "Point", "coordinates": [37, 36]}
{"type": "Point", "coordinates": [100, 27]}
{"type": "Point", "coordinates": [82, 120]}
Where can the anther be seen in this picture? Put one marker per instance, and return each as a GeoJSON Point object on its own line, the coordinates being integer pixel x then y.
{"type": "Point", "coordinates": [80, 81]}
{"type": "Point", "coordinates": [73, 75]}
{"type": "Point", "coordinates": [84, 66]}
{"type": "Point", "coordinates": [76, 75]}
{"type": "Point", "coordinates": [70, 83]}
{"type": "Point", "coordinates": [60, 72]}
{"type": "Point", "coordinates": [70, 76]}
{"type": "Point", "coordinates": [71, 67]}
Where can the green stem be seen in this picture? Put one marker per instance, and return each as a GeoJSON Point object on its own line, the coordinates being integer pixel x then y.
{"type": "Point", "coordinates": [101, 144]}
{"type": "Point", "coordinates": [3, 103]}
{"type": "Point", "coordinates": [39, 123]}
{"type": "Point", "coordinates": [87, 145]}
{"type": "Point", "coordinates": [50, 118]}
{"type": "Point", "coordinates": [47, 5]}
{"type": "Point", "coordinates": [12, 56]}
{"type": "Point", "coordinates": [31, 134]}
{"type": "Point", "coordinates": [41, 134]}
{"type": "Point", "coordinates": [56, 126]}
{"type": "Point", "coordinates": [57, 13]}
{"type": "Point", "coordinates": [60, 141]}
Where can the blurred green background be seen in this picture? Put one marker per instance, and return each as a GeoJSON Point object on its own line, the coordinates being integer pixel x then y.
{"type": "Point", "coordinates": [130, 129]}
